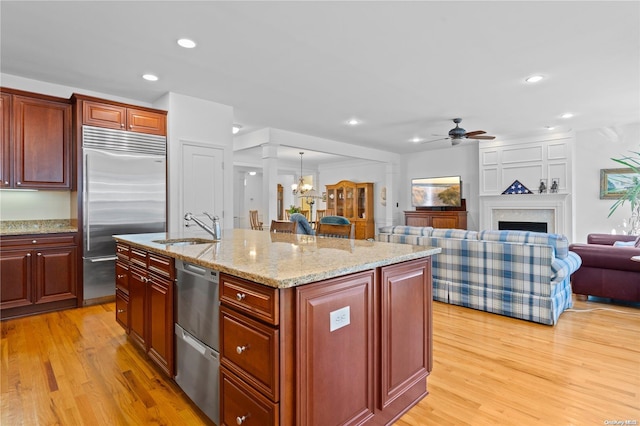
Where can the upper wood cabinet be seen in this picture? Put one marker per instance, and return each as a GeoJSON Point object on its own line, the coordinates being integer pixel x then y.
{"type": "Point", "coordinates": [117, 116]}
{"type": "Point", "coordinates": [355, 202]}
{"type": "Point", "coordinates": [36, 141]}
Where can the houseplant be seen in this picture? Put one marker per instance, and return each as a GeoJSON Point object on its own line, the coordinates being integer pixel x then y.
{"type": "Point", "coordinates": [293, 209]}
{"type": "Point", "coordinates": [632, 194]}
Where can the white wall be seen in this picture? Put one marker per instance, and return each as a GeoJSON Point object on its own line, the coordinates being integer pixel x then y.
{"type": "Point", "coordinates": [594, 150]}
{"type": "Point", "coordinates": [199, 121]}
{"type": "Point", "coordinates": [455, 160]}
{"type": "Point", "coordinates": [356, 171]}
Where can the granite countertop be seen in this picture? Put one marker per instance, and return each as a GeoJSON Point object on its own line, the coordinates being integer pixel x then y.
{"type": "Point", "coordinates": [280, 260]}
{"type": "Point", "coordinates": [46, 226]}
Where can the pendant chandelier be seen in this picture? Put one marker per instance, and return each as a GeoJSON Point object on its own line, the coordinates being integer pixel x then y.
{"type": "Point", "coordinates": [301, 187]}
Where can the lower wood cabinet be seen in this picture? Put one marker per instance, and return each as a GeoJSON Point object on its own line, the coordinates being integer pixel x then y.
{"type": "Point", "coordinates": [437, 219]}
{"type": "Point", "coordinates": [349, 350]}
{"type": "Point", "coordinates": [37, 274]}
{"type": "Point", "coordinates": [144, 302]}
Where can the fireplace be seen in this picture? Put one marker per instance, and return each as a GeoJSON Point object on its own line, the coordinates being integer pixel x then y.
{"type": "Point", "coordinates": [506, 225]}
{"type": "Point", "coordinates": [554, 210]}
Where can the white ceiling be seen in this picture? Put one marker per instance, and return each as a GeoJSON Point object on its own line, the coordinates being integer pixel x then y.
{"type": "Point", "coordinates": [404, 68]}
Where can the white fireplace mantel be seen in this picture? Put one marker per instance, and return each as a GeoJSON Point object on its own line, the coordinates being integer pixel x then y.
{"type": "Point", "coordinates": [554, 209]}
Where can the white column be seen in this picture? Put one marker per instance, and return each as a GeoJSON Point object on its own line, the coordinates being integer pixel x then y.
{"type": "Point", "coordinates": [270, 182]}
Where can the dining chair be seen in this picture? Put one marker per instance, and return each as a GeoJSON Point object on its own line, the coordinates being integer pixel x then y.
{"type": "Point", "coordinates": [320, 214]}
{"type": "Point", "coordinates": [255, 222]}
{"type": "Point", "coordinates": [335, 230]}
{"type": "Point", "coordinates": [306, 213]}
{"type": "Point", "coordinates": [283, 227]}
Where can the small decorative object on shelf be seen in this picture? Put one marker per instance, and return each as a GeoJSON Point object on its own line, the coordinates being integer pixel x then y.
{"type": "Point", "coordinates": [555, 182]}
{"type": "Point", "coordinates": [516, 188]}
{"type": "Point", "coordinates": [542, 189]}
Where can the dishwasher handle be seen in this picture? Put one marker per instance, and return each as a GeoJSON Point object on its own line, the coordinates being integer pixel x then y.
{"type": "Point", "coordinates": [197, 271]}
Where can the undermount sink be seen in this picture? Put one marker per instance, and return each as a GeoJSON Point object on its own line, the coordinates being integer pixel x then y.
{"type": "Point", "coordinates": [184, 241]}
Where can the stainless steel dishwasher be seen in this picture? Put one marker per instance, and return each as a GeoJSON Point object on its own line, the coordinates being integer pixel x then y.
{"type": "Point", "coordinates": [197, 346]}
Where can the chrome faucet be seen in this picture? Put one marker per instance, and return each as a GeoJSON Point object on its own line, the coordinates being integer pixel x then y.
{"type": "Point", "coordinates": [214, 231]}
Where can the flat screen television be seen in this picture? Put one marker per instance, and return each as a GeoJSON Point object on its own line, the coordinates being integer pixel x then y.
{"type": "Point", "coordinates": [444, 191]}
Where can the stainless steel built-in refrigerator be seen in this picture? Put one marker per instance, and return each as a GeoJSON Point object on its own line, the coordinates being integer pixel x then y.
{"type": "Point", "coordinates": [124, 192]}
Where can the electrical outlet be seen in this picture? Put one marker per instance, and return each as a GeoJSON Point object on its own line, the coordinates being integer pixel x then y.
{"type": "Point", "coordinates": [339, 318]}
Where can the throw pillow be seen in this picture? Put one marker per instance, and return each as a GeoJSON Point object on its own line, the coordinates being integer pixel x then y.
{"type": "Point", "coordinates": [624, 244]}
{"type": "Point", "coordinates": [638, 241]}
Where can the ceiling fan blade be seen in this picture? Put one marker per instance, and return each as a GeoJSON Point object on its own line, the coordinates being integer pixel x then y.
{"type": "Point", "coordinates": [483, 137]}
{"type": "Point", "coordinates": [475, 132]}
{"type": "Point", "coordinates": [435, 140]}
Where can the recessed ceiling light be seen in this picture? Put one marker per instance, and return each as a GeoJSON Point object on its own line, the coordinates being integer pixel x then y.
{"type": "Point", "coordinates": [353, 122]}
{"type": "Point", "coordinates": [549, 127]}
{"type": "Point", "coordinates": [236, 128]}
{"type": "Point", "coordinates": [415, 139]}
{"type": "Point", "coordinates": [187, 43]}
{"type": "Point", "coordinates": [252, 173]}
{"type": "Point", "coordinates": [534, 78]}
{"type": "Point", "coordinates": [150, 77]}
{"type": "Point", "coordinates": [567, 115]}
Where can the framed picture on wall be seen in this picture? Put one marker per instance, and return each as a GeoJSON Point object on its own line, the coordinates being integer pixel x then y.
{"type": "Point", "coordinates": [614, 182]}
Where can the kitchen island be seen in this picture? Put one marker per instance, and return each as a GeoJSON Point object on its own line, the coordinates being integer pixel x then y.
{"type": "Point", "coordinates": [313, 331]}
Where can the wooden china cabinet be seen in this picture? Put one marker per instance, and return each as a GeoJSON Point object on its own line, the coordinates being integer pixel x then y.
{"type": "Point", "coordinates": [353, 200]}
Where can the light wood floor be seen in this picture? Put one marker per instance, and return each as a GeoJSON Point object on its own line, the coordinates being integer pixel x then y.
{"type": "Point", "coordinates": [76, 367]}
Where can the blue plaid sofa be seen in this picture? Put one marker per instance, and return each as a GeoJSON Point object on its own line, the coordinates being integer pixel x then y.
{"type": "Point", "coordinates": [520, 274]}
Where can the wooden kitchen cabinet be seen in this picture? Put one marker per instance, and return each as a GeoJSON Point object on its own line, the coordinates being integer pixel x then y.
{"type": "Point", "coordinates": [336, 350]}
{"type": "Point", "coordinates": [37, 274]}
{"type": "Point", "coordinates": [144, 302]}
{"type": "Point", "coordinates": [353, 200]}
{"type": "Point", "coordinates": [36, 141]}
{"type": "Point", "coordinates": [285, 353]}
{"type": "Point", "coordinates": [123, 117]}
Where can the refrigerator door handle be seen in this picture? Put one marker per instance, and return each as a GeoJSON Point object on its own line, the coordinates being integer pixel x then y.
{"type": "Point", "coordinates": [85, 190]}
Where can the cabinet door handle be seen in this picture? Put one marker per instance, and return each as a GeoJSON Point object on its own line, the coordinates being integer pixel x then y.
{"type": "Point", "coordinates": [39, 254]}
{"type": "Point", "coordinates": [34, 242]}
{"type": "Point", "coordinates": [240, 296]}
{"type": "Point", "coordinates": [240, 420]}
{"type": "Point", "coordinates": [122, 311]}
{"type": "Point", "coordinates": [241, 349]}
{"type": "Point", "coordinates": [6, 182]}
{"type": "Point", "coordinates": [28, 254]}
{"type": "Point", "coordinates": [121, 276]}
{"type": "Point", "coordinates": [18, 183]}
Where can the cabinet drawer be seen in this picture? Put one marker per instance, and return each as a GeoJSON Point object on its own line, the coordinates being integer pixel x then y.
{"type": "Point", "coordinates": [122, 310]}
{"type": "Point", "coordinates": [122, 251]}
{"type": "Point", "coordinates": [242, 405]}
{"type": "Point", "coordinates": [138, 257]}
{"type": "Point", "coordinates": [250, 350]}
{"type": "Point", "coordinates": [161, 265]}
{"type": "Point", "coordinates": [256, 300]}
{"type": "Point", "coordinates": [122, 276]}
{"type": "Point", "coordinates": [38, 241]}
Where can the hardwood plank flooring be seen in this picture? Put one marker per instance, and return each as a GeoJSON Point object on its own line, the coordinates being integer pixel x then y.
{"type": "Point", "coordinates": [76, 367]}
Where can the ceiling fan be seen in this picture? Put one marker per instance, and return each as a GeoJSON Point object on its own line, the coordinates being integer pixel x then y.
{"type": "Point", "coordinates": [457, 134]}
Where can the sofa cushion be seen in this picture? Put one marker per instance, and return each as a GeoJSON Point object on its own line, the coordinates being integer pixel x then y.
{"type": "Point", "coordinates": [455, 233]}
{"type": "Point", "coordinates": [559, 242]}
{"type": "Point", "coordinates": [406, 230]}
{"type": "Point", "coordinates": [335, 220]}
{"type": "Point", "coordinates": [624, 244]}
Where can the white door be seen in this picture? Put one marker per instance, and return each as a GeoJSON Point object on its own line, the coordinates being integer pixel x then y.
{"type": "Point", "coordinates": [202, 181]}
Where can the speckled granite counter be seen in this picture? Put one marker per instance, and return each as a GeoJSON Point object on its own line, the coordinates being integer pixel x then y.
{"type": "Point", "coordinates": [48, 226]}
{"type": "Point", "coordinates": [281, 260]}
